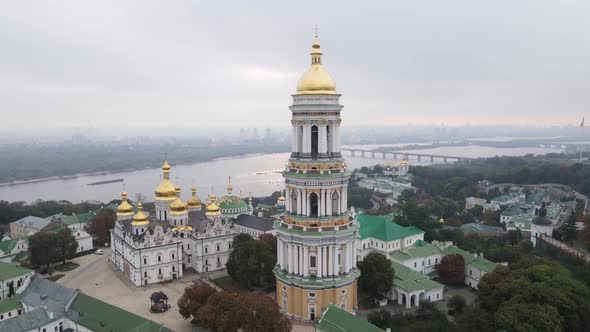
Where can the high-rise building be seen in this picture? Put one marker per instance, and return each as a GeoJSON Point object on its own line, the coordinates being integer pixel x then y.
{"type": "Point", "coordinates": [316, 264]}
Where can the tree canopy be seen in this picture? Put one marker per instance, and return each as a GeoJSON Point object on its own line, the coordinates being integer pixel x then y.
{"type": "Point", "coordinates": [251, 261]}
{"type": "Point", "coordinates": [451, 269]}
{"type": "Point", "coordinates": [376, 274]}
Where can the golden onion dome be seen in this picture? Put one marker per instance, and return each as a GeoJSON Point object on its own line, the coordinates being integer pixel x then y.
{"type": "Point", "coordinates": [165, 191]}
{"type": "Point", "coordinates": [441, 220]}
{"type": "Point", "coordinates": [124, 209]}
{"type": "Point", "coordinates": [177, 206]}
{"type": "Point", "coordinates": [282, 197]}
{"type": "Point", "coordinates": [212, 208]}
{"type": "Point", "coordinates": [140, 218]}
{"type": "Point", "coordinates": [194, 202]}
{"type": "Point", "coordinates": [316, 79]}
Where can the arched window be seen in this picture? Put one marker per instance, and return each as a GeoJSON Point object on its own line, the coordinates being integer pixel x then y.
{"type": "Point", "coordinates": [313, 204]}
{"type": "Point", "coordinates": [314, 141]}
{"type": "Point", "coordinates": [335, 204]}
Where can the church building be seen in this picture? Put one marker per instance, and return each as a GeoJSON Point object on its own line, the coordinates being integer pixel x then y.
{"type": "Point", "coordinates": [316, 236]}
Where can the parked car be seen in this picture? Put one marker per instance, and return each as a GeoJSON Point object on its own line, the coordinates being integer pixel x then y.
{"type": "Point", "coordinates": [99, 252]}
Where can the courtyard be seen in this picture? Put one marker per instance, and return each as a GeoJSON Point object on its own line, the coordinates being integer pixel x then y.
{"type": "Point", "coordinates": [98, 278]}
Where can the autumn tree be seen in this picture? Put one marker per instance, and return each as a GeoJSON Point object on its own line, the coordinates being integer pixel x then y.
{"type": "Point", "coordinates": [193, 299]}
{"type": "Point", "coordinates": [376, 274]}
{"type": "Point", "coordinates": [451, 269]}
{"type": "Point", "coordinates": [101, 225]}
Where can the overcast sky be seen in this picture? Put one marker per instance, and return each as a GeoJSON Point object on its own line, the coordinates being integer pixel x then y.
{"type": "Point", "coordinates": [141, 64]}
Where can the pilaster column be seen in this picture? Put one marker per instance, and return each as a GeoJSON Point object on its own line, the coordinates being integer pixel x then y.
{"type": "Point", "coordinates": [324, 260]}
{"type": "Point", "coordinates": [307, 138]}
{"type": "Point", "coordinates": [279, 253]}
{"type": "Point", "coordinates": [307, 205]}
{"type": "Point", "coordinates": [329, 202]}
{"type": "Point", "coordinates": [299, 203]}
{"type": "Point", "coordinates": [337, 137]}
{"type": "Point", "coordinates": [296, 259]}
{"type": "Point", "coordinates": [318, 261]}
{"type": "Point", "coordinates": [344, 203]}
{"type": "Point", "coordinates": [305, 261]}
{"type": "Point", "coordinates": [331, 262]}
{"type": "Point", "coordinates": [290, 258]}
{"type": "Point", "coordinates": [323, 148]}
{"type": "Point", "coordinates": [336, 264]}
{"type": "Point", "coordinates": [294, 138]}
{"type": "Point", "coordinates": [322, 203]}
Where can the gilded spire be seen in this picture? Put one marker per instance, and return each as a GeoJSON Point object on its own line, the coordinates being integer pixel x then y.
{"type": "Point", "coordinates": [194, 202]}
{"type": "Point", "coordinates": [230, 188]}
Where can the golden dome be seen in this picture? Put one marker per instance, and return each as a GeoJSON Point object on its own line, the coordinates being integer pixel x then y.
{"type": "Point", "coordinates": [140, 217]}
{"type": "Point", "coordinates": [124, 209]}
{"type": "Point", "coordinates": [177, 206]}
{"type": "Point", "coordinates": [282, 197]}
{"type": "Point", "coordinates": [212, 208]}
{"type": "Point", "coordinates": [165, 191]}
{"type": "Point", "coordinates": [404, 161]}
{"type": "Point", "coordinates": [194, 202]}
{"type": "Point", "coordinates": [316, 79]}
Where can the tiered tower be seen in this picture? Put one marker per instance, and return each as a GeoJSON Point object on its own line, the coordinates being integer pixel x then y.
{"type": "Point", "coordinates": [316, 264]}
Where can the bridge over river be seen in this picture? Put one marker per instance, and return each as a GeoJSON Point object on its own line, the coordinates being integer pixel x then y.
{"type": "Point", "coordinates": [376, 154]}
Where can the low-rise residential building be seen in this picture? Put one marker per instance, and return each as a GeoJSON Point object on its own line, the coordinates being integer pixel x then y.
{"type": "Point", "coordinates": [27, 226]}
{"type": "Point", "coordinates": [471, 202]}
{"type": "Point", "coordinates": [14, 249]}
{"type": "Point", "coordinates": [521, 221]}
{"type": "Point", "coordinates": [45, 306]}
{"type": "Point", "coordinates": [382, 234]}
{"type": "Point", "coordinates": [335, 319]}
{"type": "Point", "coordinates": [253, 225]}
{"type": "Point", "coordinates": [13, 278]}
{"type": "Point", "coordinates": [508, 199]}
{"type": "Point", "coordinates": [422, 257]}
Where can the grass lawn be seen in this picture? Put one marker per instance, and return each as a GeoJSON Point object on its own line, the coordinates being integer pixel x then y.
{"type": "Point", "coordinates": [68, 266]}
{"type": "Point", "coordinates": [224, 282]}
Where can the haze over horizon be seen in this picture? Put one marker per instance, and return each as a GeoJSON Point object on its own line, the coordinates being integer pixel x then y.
{"type": "Point", "coordinates": [147, 64]}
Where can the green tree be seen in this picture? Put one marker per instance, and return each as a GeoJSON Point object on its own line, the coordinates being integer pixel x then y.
{"type": "Point", "coordinates": [456, 304]}
{"type": "Point", "coordinates": [569, 229]}
{"type": "Point", "coordinates": [376, 274]}
{"type": "Point", "coordinates": [251, 261]}
{"type": "Point", "coordinates": [66, 244]}
{"type": "Point", "coordinates": [528, 317]}
{"type": "Point", "coordinates": [42, 249]}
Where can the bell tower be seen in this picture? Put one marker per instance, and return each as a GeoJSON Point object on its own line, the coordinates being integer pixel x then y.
{"type": "Point", "coordinates": [316, 260]}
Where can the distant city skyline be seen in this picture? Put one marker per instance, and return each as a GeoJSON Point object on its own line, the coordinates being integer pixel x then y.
{"type": "Point", "coordinates": [182, 65]}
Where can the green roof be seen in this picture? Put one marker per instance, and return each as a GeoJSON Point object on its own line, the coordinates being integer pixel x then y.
{"type": "Point", "coordinates": [84, 217]}
{"type": "Point", "coordinates": [538, 198]}
{"type": "Point", "coordinates": [382, 228]}
{"type": "Point", "coordinates": [477, 261]}
{"type": "Point", "coordinates": [101, 316]}
{"type": "Point", "coordinates": [10, 304]}
{"type": "Point", "coordinates": [335, 319]}
{"type": "Point", "coordinates": [8, 271]}
{"type": "Point", "coordinates": [7, 245]}
{"type": "Point", "coordinates": [420, 249]}
{"type": "Point", "coordinates": [232, 202]}
{"type": "Point", "coordinates": [410, 280]}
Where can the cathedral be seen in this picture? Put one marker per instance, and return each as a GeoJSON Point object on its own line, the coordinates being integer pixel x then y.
{"type": "Point", "coordinates": [316, 263]}
{"type": "Point", "coordinates": [151, 248]}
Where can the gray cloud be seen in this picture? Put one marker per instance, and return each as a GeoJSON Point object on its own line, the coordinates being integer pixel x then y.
{"type": "Point", "coordinates": [154, 63]}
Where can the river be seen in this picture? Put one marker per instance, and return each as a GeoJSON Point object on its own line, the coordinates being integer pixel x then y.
{"type": "Point", "coordinates": [259, 174]}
